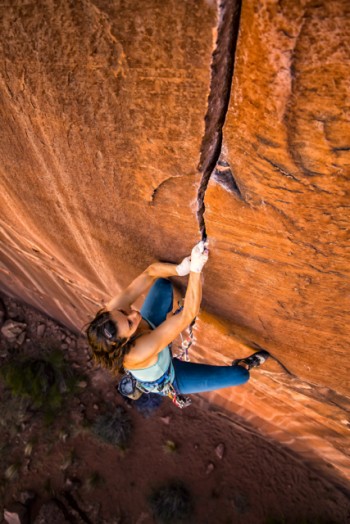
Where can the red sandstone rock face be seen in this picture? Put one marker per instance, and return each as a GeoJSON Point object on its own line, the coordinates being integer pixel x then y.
{"type": "Point", "coordinates": [281, 244]}
{"type": "Point", "coordinates": [102, 111]}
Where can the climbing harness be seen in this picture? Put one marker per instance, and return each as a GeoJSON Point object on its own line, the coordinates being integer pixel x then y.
{"type": "Point", "coordinates": [132, 388]}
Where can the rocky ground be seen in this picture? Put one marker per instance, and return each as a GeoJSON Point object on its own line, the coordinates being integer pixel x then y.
{"type": "Point", "coordinates": [80, 454]}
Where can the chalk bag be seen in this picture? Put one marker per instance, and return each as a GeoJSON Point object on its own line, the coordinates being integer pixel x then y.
{"type": "Point", "coordinates": [128, 387]}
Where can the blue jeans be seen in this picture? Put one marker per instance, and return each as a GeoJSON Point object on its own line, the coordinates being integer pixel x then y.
{"type": "Point", "coordinates": [189, 377]}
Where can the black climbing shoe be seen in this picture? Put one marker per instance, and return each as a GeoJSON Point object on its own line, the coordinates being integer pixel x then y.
{"type": "Point", "coordinates": [253, 361]}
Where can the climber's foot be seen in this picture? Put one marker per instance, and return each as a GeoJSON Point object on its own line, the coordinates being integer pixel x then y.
{"type": "Point", "coordinates": [253, 361]}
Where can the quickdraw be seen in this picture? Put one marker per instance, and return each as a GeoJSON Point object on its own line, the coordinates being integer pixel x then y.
{"type": "Point", "coordinates": [187, 342]}
{"type": "Point", "coordinates": [179, 400]}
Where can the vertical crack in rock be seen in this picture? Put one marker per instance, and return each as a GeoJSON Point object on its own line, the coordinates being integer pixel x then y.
{"type": "Point", "coordinates": [220, 88]}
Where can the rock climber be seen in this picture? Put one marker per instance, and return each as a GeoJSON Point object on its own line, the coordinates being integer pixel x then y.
{"type": "Point", "coordinates": [138, 343]}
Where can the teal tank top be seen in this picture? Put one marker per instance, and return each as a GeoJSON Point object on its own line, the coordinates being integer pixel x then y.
{"type": "Point", "coordinates": [158, 369]}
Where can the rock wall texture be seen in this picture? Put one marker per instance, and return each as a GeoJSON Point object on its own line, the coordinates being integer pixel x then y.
{"type": "Point", "coordinates": [103, 109]}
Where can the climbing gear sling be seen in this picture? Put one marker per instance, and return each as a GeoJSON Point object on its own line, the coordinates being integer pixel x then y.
{"type": "Point", "coordinates": [187, 342]}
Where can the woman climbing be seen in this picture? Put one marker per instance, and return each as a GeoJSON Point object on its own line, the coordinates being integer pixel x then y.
{"type": "Point", "coordinates": [138, 343]}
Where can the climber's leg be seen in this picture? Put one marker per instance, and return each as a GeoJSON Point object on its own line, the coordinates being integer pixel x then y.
{"type": "Point", "coordinates": [158, 302]}
{"type": "Point", "coordinates": [197, 378]}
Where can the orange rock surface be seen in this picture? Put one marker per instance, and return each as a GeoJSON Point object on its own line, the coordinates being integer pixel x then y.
{"type": "Point", "coordinates": [102, 108]}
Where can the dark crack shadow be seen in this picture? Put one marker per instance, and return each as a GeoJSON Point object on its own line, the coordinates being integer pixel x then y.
{"type": "Point", "coordinates": [219, 96]}
{"type": "Point", "coordinates": [223, 175]}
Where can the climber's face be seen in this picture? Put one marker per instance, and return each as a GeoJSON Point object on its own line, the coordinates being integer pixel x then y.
{"type": "Point", "coordinates": [127, 322]}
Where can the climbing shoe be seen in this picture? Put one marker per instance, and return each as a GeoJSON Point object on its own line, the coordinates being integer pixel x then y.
{"type": "Point", "coordinates": [253, 361]}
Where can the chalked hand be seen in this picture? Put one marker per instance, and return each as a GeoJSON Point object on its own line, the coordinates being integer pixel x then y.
{"type": "Point", "coordinates": [199, 256]}
{"type": "Point", "coordinates": [184, 267]}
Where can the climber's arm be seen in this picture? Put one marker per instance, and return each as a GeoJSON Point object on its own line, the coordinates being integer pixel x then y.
{"type": "Point", "coordinates": [163, 270]}
{"type": "Point", "coordinates": [155, 341]}
{"type": "Point", "coordinates": [141, 285]}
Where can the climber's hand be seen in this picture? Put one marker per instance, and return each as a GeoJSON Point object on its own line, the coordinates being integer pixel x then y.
{"type": "Point", "coordinates": [199, 256]}
{"type": "Point", "coordinates": [184, 267]}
